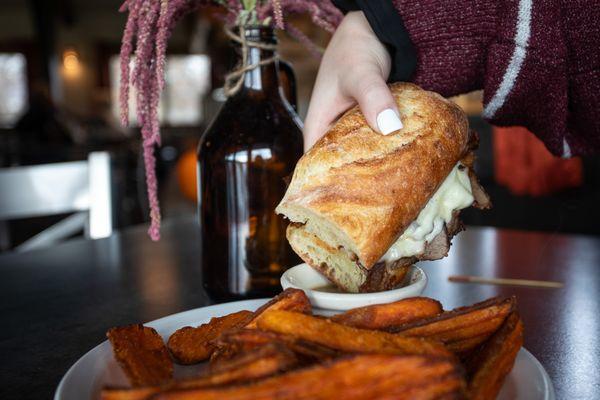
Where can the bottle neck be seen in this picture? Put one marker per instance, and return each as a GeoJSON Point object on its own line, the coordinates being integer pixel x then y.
{"type": "Point", "coordinates": [264, 78]}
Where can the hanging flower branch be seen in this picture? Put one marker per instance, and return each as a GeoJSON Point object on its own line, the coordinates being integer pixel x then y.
{"type": "Point", "coordinates": [149, 25]}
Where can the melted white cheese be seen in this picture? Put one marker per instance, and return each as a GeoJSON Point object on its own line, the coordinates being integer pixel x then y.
{"type": "Point", "coordinates": [454, 194]}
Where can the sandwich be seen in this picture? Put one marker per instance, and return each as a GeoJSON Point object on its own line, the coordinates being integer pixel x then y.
{"type": "Point", "coordinates": [363, 207]}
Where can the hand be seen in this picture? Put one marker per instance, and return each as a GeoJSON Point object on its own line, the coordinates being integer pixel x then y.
{"type": "Point", "coordinates": [354, 70]}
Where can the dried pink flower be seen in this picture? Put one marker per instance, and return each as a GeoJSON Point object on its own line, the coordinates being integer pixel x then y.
{"type": "Point", "coordinates": [278, 14]}
{"type": "Point", "coordinates": [147, 30]}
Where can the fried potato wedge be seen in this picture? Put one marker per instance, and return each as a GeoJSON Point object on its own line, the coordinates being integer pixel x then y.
{"type": "Point", "coordinates": [463, 348]}
{"type": "Point", "coordinates": [259, 363]}
{"type": "Point", "coordinates": [362, 377]}
{"type": "Point", "coordinates": [142, 354]}
{"type": "Point", "coordinates": [224, 353]}
{"type": "Point", "coordinates": [464, 328]}
{"type": "Point", "coordinates": [381, 316]}
{"type": "Point", "coordinates": [246, 339]}
{"type": "Point", "coordinates": [290, 300]}
{"type": "Point", "coordinates": [346, 338]}
{"type": "Point", "coordinates": [233, 343]}
{"type": "Point", "coordinates": [190, 345]}
{"type": "Point", "coordinates": [489, 367]}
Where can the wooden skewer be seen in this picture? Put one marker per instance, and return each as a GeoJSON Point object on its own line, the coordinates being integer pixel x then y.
{"type": "Point", "coordinates": [504, 281]}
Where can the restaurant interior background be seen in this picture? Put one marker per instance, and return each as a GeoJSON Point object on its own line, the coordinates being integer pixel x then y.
{"type": "Point", "coordinates": [58, 102]}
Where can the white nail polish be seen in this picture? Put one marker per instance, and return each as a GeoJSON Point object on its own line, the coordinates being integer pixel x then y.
{"type": "Point", "coordinates": [388, 121]}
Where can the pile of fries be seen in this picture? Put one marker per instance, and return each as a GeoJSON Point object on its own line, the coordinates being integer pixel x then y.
{"type": "Point", "coordinates": [410, 349]}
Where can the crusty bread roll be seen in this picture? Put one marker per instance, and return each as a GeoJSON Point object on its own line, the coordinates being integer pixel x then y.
{"type": "Point", "coordinates": [356, 191]}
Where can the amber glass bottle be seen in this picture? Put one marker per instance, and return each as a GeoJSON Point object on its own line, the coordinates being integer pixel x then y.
{"type": "Point", "coordinates": [244, 156]}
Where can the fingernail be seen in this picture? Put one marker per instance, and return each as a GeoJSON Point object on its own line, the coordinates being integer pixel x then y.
{"type": "Point", "coordinates": [388, 121]}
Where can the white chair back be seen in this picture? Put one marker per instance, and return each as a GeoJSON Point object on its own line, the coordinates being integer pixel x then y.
{"type": "Point", "coordinates": [82, 187]}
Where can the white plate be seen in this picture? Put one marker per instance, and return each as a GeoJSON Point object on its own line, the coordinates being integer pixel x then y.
{"type": "Point", "coordinates": [527, 381]}
{"type": "Point", "coordinates": [304, 277]}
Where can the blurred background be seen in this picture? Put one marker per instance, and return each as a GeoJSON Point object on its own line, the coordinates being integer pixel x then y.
{"type": "Point", "coordinates": [58, 103]}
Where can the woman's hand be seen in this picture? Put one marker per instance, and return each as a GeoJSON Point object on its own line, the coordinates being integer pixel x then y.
{"type": "Point", "coordinates": [354, 70]}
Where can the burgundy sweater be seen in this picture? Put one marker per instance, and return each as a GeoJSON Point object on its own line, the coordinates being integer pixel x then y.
{"type": "Point", "coordinates": [538, 62]}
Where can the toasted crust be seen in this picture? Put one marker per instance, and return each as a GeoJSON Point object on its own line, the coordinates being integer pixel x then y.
{"type": "Point", "coordinates": [356, 188]}
{"type": "Point", "coordinates": [342, 269]}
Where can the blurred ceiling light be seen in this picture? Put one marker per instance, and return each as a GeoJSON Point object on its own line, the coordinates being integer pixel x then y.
{"type": "Point", "coordinates": [71, 62]}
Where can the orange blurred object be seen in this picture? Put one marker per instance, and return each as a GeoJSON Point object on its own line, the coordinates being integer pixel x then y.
{"type": "Point", "coordinates": [524, 165]}
{"type": "Point", "coordinates": [186, 174]}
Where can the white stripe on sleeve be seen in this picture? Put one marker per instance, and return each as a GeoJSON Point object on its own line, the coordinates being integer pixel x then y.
{"type": "Point", "coordinates": [566, 149]}
{"type": "Point", "coordinates": [516, 61]}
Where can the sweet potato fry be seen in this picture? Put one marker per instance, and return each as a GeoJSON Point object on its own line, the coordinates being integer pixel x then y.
{"type": "Point", "coordinates": [290, 299]}
{"type": "Point", "coordinates": [142, 354]}
{"type": "Point", "coordinates": [237, 342]}
{"type": "Point", "coordinates": [231, 344]}
{"type": "Point", "coordinates": [362, 377]}
{"type": "Point", "coordinates": [462, 325]}
{"type": "Point", "coordinates": [258, 363]}
{"type": "Point", "coordinates": [489, 367]}
{"type": "Point", "coordinates": [190, 345]}
{"type": "Point", "coordinates": [381, 316]}
{"type": "Point", "coordinates": [224, 353]}
{"type": "Point", "coordinates": [464, 347]}
{"type": "Point", "coordinates": [346, 338]}
{"type": "Point", "coordinates": [141, 393]}
{"type": "Point", "coordinates": [246, 339]}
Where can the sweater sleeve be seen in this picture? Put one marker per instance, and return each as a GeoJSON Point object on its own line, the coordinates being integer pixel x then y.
{"type": "Point", "coordinates": [451, 39]}
{"type": "Point", "coordinates": [538, 62]}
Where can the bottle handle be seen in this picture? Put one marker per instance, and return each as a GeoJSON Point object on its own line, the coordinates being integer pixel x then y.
{"type": "Point", "coordinates": [287, 79]}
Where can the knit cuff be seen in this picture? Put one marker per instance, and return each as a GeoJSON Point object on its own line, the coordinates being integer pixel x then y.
{"type": "Point", "coordinates": [526, 80]}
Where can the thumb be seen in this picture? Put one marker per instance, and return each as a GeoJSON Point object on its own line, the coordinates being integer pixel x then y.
{"type": "Point", "coordinates": [377, 104]}
{"type": "Point", "coordinates": [325, 107]}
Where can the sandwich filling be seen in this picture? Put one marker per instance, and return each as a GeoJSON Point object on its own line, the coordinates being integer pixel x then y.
{"type": "Point", "coordinates": [454, 194]}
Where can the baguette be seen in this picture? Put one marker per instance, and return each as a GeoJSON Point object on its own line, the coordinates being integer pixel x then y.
{"type": "Point", "coordinates": [356, 191]}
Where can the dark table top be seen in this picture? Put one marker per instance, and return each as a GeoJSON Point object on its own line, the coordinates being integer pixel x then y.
{"type": "Point", "coordinates": [57, 303]}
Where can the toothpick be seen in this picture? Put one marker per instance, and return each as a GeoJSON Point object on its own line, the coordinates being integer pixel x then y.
{"type": "Point", "coordinates": [504, 281]}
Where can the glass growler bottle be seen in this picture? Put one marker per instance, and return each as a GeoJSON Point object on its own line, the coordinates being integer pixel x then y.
{"type": "Point", "coordinates": [244, 157]}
